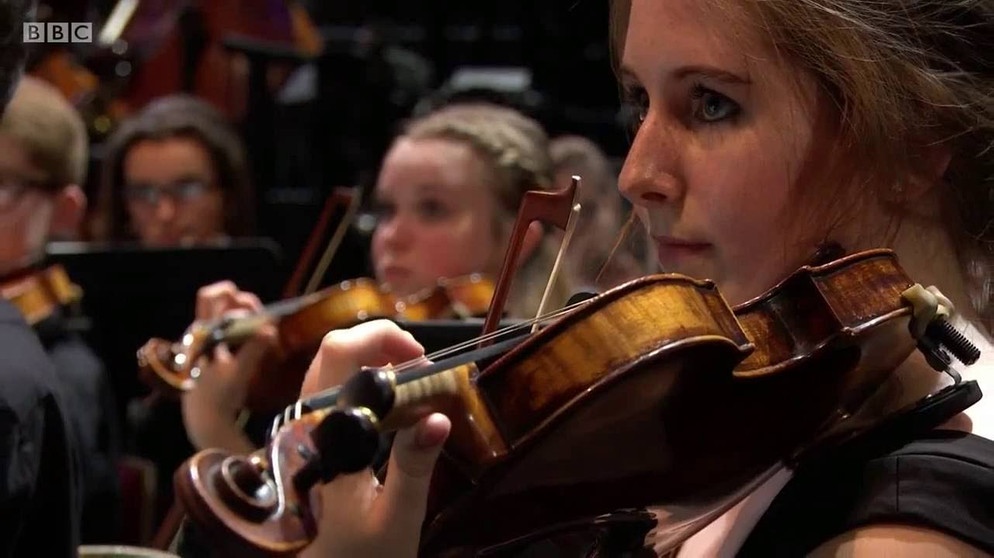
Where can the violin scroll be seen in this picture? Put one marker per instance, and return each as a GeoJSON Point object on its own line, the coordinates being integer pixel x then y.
{"type": "Point", "coordinates": [263, 504]}
{"type": "Point", "coordinates": [250, 505]}
{"type": "Point", "coordinates": [173, 367]}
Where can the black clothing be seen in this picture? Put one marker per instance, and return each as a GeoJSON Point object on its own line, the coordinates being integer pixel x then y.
{"type": "Point", "coordinates": [39, 504]}
{"type": "Point", "coordinates": [943, 480]}
{"type": "Point", "coordinates": [91, 409]}
{"type": "Point", "coordinates": [159, 435]}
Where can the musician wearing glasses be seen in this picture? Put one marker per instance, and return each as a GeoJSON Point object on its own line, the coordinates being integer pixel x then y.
{"type": "Point", "coordinates": [174, 175]}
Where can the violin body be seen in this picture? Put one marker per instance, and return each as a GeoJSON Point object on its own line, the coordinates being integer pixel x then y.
{"type": "Point", "coordinates": [718, 401]}
{"type": "Point", "coordinates": [41, 293]}
{"type": "Point", "coordinates": [173, 367]}
{"type": "Point", "coordinates": [655, 393]}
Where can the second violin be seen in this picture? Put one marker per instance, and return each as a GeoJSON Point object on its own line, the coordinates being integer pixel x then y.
{"type": "Point", "coordinates": [301, 323]}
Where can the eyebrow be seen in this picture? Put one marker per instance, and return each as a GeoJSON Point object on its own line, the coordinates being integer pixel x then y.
{"type": "Point", "coordinates": [695, 70]}
{"type": "Point", "coordinates": [420, 188]}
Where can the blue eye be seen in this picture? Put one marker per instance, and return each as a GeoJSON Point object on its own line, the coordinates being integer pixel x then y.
{"type": "Point", "coordinates": [710, 106]}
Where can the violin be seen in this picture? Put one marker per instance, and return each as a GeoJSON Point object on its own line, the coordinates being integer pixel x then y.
{"type": "Point", "coordinates": [41, 293]}
{"type": "Point", "coordinates": [301, 324]}
{"type": "Point", "coordinates": [655, 392]}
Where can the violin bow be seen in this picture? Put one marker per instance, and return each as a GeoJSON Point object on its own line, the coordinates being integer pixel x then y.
{"type": "Point", "coordinates": [574, 217]}
{"type": "Point", "coordinates": [340, 196]}
{"type": "Point", "coordinates": [553, 208]}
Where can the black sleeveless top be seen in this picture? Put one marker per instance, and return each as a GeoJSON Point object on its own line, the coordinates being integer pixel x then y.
{"type": "Point", "coordinates": [942, 480]}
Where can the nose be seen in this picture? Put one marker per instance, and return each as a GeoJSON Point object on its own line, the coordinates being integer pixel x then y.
{"type": "Point", "coordinates": [165, 209]}
{"type": "Point", "coordinates": [395, 233]}
{"type": "Point", "coordinates": [653, 169]}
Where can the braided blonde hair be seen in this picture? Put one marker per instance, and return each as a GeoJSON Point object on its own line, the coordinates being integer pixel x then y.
{"type": "Point", "coordinates": [515, 150]}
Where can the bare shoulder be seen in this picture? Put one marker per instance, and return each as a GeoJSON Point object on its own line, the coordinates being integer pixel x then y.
{"type": "Point", "coordinates": [895, 540]}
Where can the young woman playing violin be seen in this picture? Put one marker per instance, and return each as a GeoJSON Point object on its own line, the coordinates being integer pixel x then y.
{"type": "Point", "coordinates": [446, 198]}
{"type": "Point", "coordinates": [762, 130]}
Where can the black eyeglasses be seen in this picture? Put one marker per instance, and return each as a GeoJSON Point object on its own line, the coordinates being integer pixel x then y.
{"type": "Point", "coordinates": [13, 189]}
{"type": "Point", "coordinates": [147, 194]}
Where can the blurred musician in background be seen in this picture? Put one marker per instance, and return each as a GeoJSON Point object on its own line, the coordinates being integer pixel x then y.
{"type": "Point", "coordinates": [446, 199]}
{"type": "Point", "coordinates": [175, 174]}
{"type": "Point", "coordinates": [38, 458]}
{"type": "Point", "coordinates": [592, 257]}
{"type": "Point", "coordinates": [43, 155]}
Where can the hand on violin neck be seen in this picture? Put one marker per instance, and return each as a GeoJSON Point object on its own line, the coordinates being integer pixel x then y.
{"type": "Point", "coordinates": [217, 299]}
{"type": "Point", "coordinates": [359, 517]}
{"type": "Point", "coordinates": [210, 411]}
{"type": "Point", "coordinates": [344, 351]}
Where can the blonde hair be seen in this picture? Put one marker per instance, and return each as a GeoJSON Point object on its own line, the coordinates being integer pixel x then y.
{"type": "Point", "coordinates": [42, 121]}
{"type": "Point", "coordinates": [515, 149]}
{"type": "Point", "coordinates": [603, 217]}
{"type": "Point", "coordinates": [903, 78]}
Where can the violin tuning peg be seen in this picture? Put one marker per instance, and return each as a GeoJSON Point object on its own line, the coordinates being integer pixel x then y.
{"type": "Point", "coordinates": [346, 441]}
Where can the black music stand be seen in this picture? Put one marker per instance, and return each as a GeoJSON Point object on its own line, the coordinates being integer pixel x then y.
{"type": "Point", "coordinates": [131, 293]}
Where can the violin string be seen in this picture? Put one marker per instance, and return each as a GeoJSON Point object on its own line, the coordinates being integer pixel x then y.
{"type": "Point", "coordinates": [460, 347]}
{"type": "Point", "coordinates": [570, 229]}
{"type": "Point", "coordinates": [275, 310]}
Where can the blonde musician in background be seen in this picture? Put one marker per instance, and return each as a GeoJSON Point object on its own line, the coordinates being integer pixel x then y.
{"type": "Point", "coordinates": [595, 257]}
{"type": "Point", "coordinates": [446, 199]}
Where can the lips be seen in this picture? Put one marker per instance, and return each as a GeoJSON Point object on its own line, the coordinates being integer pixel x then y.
{"type": "Point", "coordinates": [394, 275]}
{"type": "Point", "coordinates": [675, 253]}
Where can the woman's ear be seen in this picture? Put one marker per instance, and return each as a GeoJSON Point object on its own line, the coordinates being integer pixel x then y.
{"type": "Point", "coordinates": [936, 158]}
{"type": "Point", "coordinates": [67, 213]}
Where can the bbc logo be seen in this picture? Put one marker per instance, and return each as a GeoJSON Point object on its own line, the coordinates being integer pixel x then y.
{"type": "Point", "coordinates": [37, 32]}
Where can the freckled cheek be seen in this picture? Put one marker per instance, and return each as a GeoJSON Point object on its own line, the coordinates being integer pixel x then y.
{"type": "Point", "coordinates": [744, 208]}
